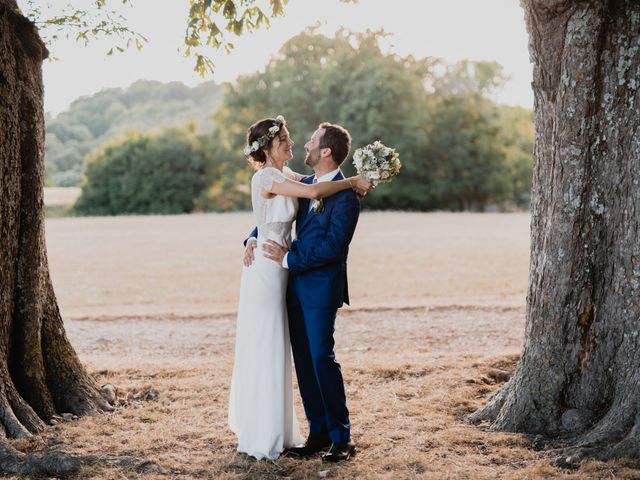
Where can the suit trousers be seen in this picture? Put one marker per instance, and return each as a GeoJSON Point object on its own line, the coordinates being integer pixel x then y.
{"type": "Point", "coordinates": [319, 374]}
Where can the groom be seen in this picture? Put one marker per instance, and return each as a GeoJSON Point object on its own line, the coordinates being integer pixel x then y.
{"type": "Point", "coordinates": [317, 263]}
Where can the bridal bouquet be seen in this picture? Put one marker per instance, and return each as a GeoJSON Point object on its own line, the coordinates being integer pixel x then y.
{"type": "Point", "coordinates": [377, 163]}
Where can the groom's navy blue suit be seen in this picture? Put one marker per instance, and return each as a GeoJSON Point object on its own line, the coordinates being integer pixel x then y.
{"type": "Point", "coordinates": [317, 263]}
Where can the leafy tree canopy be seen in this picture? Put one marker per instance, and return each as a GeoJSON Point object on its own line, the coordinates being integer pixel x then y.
{"type": "Point", "coordinates": [210, 24]}
{"type": "Point", "coordinates": [452, 138]}
{"type": "Point", "coordinates": [144, 174]}
{"type": "Point", "coordinates": [145, 106]}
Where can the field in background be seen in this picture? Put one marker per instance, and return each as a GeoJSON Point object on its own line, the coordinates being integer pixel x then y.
{"type": "Point", "coordinates": [436, 325]}
{"type": "Point", "coordinates": [106, 267]}
{"type": "Point", "coordinates": [58, 200]}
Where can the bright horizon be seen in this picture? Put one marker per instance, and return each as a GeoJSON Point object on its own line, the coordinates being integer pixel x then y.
{"type": "Point", "coordinates": [460, 29]}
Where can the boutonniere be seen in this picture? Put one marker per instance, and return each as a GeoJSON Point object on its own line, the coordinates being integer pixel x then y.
{"type": "Point", "coordinates": [317, 205]}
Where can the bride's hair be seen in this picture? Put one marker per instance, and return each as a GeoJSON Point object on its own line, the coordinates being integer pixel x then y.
{"type": "Point", "coordinates": [257, 130]}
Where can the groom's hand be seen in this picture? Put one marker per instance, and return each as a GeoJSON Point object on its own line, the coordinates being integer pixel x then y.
{"type": "Point", "coordinates": [274, 251]}
{"type": "Point", "coordinates": [248, 252]}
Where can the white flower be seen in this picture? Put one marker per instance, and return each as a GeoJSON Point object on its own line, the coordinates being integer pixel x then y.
{"type": "Point", "coordinates": [376, 162]}
{"type": "Point", "coordinates": [280, 119]}
{"type": "Point", "coordinates": [317, 205]}
{"type": "Point", "coordinates": [255, 146]}
{"type": "Point", "coordinates": [273, 130]}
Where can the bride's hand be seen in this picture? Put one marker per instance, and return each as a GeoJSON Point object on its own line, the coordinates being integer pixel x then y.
{"type": "Point", "coordinates": [248, 252]}
{"type": "Point", "coordinates": [362, 186]}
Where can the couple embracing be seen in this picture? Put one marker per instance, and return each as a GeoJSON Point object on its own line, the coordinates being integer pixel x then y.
{"type": "Point", "coordinates": [289, 295]}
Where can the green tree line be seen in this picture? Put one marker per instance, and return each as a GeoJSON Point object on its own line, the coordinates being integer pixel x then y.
{"type": "Point", "coordinates": [145, 106]}
{"type": "Point", "coordinates": [460, 150]}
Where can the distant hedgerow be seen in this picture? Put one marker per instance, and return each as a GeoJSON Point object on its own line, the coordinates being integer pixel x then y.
{"type": "Point", "coordinates": [144, 174]}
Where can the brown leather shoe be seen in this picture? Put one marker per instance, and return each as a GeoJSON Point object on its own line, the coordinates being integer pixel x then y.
{"type": "Point", "coordinates": [340, 452]}
{"type": "Point", "coordinates": [316, 442]}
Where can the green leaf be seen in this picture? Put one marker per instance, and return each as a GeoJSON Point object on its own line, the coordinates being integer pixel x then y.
{"type": "Point", "coordinates": [276, 8]}
{"type": "Point", "coordinates": [216, 6]}
{"type": "Point", "coordinates": [237, 27]}
{"type": "Point", "coordinates": [229, 9]}
{"type": "Point", "coordinates": [214, 30]}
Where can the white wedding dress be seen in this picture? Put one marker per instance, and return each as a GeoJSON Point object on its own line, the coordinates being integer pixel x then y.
{"type": "Point", "coordinates": [261, 412]}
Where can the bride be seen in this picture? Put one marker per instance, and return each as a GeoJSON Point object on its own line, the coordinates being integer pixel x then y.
{"type": "Point", "coordinates": [261, 412]}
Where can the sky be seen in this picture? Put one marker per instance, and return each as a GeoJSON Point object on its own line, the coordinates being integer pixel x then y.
{"type": "Point", "coordinates": [451, 30]}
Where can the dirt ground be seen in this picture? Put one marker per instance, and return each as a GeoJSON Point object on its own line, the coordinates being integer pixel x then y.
{"type": "Point", "coordinates": [436, 325]}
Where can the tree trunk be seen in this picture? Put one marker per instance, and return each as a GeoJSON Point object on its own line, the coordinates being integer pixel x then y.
{"type": "Point", "coordinates": [40, 373]}
{"type": "Point", "coordinates": [579, 374]}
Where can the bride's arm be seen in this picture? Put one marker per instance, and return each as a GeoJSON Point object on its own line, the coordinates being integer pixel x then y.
{"type": "Point", "coordinates": [315, 191]}
{"type": "Point", "coordinates": [294, 175]}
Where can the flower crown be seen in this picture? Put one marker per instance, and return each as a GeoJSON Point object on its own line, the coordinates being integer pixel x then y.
{"type": "Point", "coordinates": [264, 139]}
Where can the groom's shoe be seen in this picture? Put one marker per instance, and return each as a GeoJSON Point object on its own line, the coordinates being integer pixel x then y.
{"type": "Point", "coordinates": [316, 442]}
{"type": "Point", "coordinates": [340, 452]}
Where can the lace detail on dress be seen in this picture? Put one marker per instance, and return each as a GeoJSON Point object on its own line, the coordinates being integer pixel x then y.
{"type": "Point", "coordinates": [268, 175]}
{"type": "Point", "coordinates": [274, 215]}
{"type": "Point", "coordinates": [277, 230]}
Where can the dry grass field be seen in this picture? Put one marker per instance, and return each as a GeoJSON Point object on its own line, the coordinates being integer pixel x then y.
{"type": "Point", "coordinates": [106, 267]}
{"type": "Point", "coordinates": [61, 196]}
{"type": "Point", "coordinates": [58, 200]}
{"type": "Point", "coordinates": [435, 325]}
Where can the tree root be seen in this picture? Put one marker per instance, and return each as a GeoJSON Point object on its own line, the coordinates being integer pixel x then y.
{"type": "Point", "coordinates": [23, 411]}
{"type": "Point", "coordinates": [11, 424]}
{"type": "Point", "coordinates": [490, 411]}
{"type": "Point", "coordinates": [54, 462]}
{"type": "Point", "coordinates": [605, 441]}
{"type": "Point", "coordinates": [72, 388]}
{"type": "Point", "coordinates": [130, 463]}
{"type": "Point", "coordinates": [616, 435]}
{"type": "Point", "coordinates": [50, 462]}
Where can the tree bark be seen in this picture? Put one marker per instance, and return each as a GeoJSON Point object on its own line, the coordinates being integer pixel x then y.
{"type": "Point", "coordinates": [40, 373]}
{"type": "Point", "coordinates": [579, 375]}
